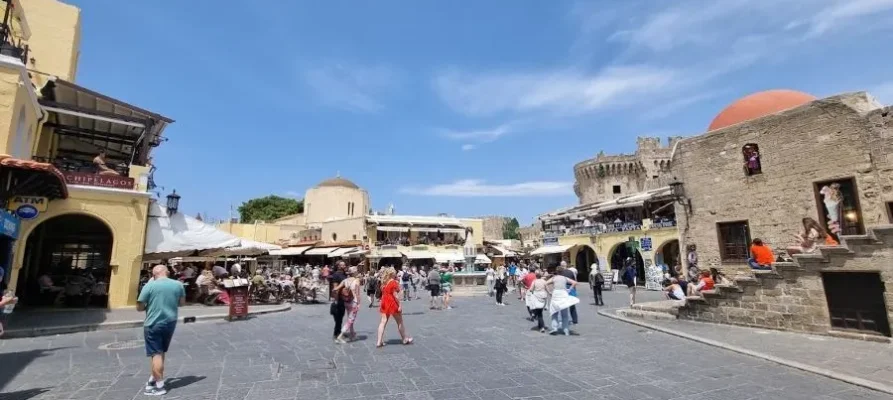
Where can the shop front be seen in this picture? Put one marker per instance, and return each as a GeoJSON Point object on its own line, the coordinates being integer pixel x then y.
{"type": "Point", "coordinates": [88, 246]}
{"type": "Point", "coordinates": [9, 232]}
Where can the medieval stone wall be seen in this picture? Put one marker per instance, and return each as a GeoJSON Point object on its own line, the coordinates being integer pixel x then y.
{"type": "Point", "coordinates": [838, 137]}
{"type": "Point", "coordinates": [794, 297]}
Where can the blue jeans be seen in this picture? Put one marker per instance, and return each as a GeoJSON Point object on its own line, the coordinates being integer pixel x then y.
{"type": "Point", "coordinates": [561, 321]}
{"type": "Point", "coordinates": [754, 265]}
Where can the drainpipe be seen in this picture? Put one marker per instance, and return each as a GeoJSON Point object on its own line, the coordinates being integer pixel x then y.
{"type": "Point", "coordinates": [44, 117]}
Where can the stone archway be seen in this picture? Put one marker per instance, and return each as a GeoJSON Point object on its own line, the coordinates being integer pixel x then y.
{"type": "Point", "coordinates": [74, 251]}
{"type": "Point", "coordinates": [669, 254]}
{"type": "Point", "coordinates": [583, 260]}
{"type": "Point", "coordinates": [620, 252]}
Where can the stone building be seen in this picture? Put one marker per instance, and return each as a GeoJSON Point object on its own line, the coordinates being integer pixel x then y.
{"type": "Point", "coordinates": [494, 227]}
{"type": "Point", "coordinates": [767, 162]}
{"type": "Point", "coordinates": [531, 236]}
{"type": "Point", "coordinates": [608, 177]}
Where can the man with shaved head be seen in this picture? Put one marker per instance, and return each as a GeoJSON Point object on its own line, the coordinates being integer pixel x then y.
{"type": "Point", "coordinates": [160, 299]}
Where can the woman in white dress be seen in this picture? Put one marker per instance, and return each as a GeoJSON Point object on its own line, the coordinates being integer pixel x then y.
{"type": "Point", "coordinates": [536, 299]}
{"type": "Point", "coordinates": [490, 280]}
{"type": "Point", "coordinates": [560, 302]}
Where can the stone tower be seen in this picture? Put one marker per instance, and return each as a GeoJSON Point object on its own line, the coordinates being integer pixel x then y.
{"type": "Point", "coordinates": [608, 177]}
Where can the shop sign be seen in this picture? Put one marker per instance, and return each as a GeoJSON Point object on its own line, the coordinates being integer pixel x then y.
{"type": "Point", "coordinates": [645, 243]}
{"type": "Point", "coordinates": [9, 225]}
{"type": "Point", "coordinates": [550, 241]}
{"type": "Point", "coordinates": [27, 211]}
{"type": "Point", "coordinates": [90, 179]}
{"type": "Point", "coordinates": [40, 203]}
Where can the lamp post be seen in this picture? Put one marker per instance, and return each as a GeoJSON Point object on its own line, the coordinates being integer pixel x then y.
{"type": "Point", "coordinates": [173, 202]}
{"type": "Point", "coordinates": [677, 189]}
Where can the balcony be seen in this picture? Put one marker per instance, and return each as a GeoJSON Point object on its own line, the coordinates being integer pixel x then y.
{"type": "Point", "coordinates": [14, 31]}
{"type": "Point", "coordinates": [603, 228]}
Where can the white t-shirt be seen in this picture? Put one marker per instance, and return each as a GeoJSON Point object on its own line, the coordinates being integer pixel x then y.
{"type": "Point", "coordinates": [677, 292]}
{"type": "Point", "coordinates": [574, 270]}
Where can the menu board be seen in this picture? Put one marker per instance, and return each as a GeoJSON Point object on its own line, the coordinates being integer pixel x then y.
{"type": "Point", "coordinates": [238, 301]}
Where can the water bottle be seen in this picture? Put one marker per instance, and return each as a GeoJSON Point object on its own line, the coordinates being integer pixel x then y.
{"type": "Point", "coordinates": [7, 309]}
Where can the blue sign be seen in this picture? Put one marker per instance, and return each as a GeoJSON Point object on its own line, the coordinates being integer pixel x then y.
{"type": "Point", "coordinates": [645, 243]}
{"type": "Point", "coordinates": [9, 225]}
{"type": "Point", "coordinates": [550, 241]}
{"type": "Point", "coordinates": [27, 211]}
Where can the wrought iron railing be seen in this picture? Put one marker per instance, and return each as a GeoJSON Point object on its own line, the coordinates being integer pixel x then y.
{"type": "Point", "coordinates": [607, 228]}
{"type": "Point", "coordinates": [10, 45]}
{"type": "Point", "coordinates": [75, 165]}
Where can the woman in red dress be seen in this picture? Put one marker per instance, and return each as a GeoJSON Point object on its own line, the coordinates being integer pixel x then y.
{"type": "Point", "coordinates": [390, 306]}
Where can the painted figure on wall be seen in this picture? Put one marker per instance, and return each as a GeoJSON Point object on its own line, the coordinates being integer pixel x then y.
{"type": "Point", "coordinates": [832, 198]}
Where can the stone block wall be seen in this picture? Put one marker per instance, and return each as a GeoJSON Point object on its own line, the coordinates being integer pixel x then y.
{"type": "Point", "coordinates": [839, 137]}
{"type": "Point", "coordinates": [793, 296]}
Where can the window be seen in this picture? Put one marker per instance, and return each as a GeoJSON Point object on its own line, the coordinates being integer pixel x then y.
{"type": "Point", "coordinates": [354, 237]}
{"type": "Point", "coordinates": [734, 237]}
{"type": "Point", "coordinates": [890, 211]}
{"type": "Point", "coordinates": [838, 205]}
{"type": "Point", "coordinates": [751, 153]}
{"type": "Point", "coordinates": [616, 189]}
{"type": "Point", "coordinates": [334, 237]}
{"type": "Point", "coordinates": [348, 208]}
{"type": "Point", "coordinates": [856, 301]}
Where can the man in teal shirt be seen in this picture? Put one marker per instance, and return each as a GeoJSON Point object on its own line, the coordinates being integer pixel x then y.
{"type": "Point", "coordinates": [160, 299]}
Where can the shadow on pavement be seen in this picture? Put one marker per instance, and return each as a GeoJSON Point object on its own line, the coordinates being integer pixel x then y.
{"type": "Point", "coordinates": [23, 394]}
{"type": "Point", "coordinates": [183, 381]}
{"type": "Point", "coordinates": [11, 364]}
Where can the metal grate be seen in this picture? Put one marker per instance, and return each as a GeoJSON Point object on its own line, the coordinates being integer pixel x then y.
{"type": "Point", "coordinates": [125, 345]}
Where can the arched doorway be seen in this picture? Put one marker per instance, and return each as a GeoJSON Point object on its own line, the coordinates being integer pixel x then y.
{"type": "Point", "coordinates": [620, 252]}
{"type": "Point", "coordinates": [74, 251]}
{"type": "Point", "coordinates": [585, 258]}
{"type": "Point", "coordinates": [669, 254]}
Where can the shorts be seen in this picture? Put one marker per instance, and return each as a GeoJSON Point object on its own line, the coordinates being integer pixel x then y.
{"type": "Point", "coordinates": [434, 289]}
{"type": "Point", "coordinates": [405, 286]}
{"type": "Point", "coordinates": [158, 337]}
{"type": "Point", "coordinates": [446, 289]}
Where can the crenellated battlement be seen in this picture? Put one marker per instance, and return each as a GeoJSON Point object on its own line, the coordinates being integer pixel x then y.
{"type": "Point", "coordinates": [598, 178]}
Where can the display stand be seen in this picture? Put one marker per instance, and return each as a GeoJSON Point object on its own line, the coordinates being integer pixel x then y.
{"type": "Point", "coordinates": [237, 289]}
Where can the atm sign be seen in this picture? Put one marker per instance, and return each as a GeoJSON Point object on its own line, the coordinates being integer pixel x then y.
{"type": "Point", "coordinates": [40, 203]}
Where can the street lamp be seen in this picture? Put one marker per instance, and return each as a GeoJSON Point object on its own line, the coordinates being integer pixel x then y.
{"type": "Point", "coordinates": [677, 189]}
{"type": "Point", "coordinates": [173, 203]}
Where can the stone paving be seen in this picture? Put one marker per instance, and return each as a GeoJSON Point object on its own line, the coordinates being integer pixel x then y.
{"type": "Point", "coordinates": [862, 359]}
{"type": "Point", "coordinates": [475, 351]}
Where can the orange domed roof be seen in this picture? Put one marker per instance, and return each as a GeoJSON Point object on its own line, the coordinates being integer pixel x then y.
{"type": "Point", "coordinates": [759, 105]}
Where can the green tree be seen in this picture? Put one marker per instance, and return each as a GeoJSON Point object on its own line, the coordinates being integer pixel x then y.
{"type": "Point", "coordinates": [269, 208]}
{"type": "Point", "coordinates": [511, 229]}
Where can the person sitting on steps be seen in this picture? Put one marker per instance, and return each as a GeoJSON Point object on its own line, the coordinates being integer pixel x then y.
{"type": "Point", "coordinates": [761, 257]}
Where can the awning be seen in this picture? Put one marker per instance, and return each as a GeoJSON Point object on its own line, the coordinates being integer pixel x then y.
{"type": "Point", "coordinates": [386, 253]}
{"type": "Point", "coordinates": [392, 228]}
{"type": "Point", "coordinates": [356, 253]}
{"type": "Point", "coordinates": [86, 121]}
{"type": "Point", "coordinates": [441, 230]}
{"type": "Point", "coordinates": [341, 252]}
{"type": "Point", "coordinates": [418, 255]}
{"type": "Point", "coordinates": [320, 251]}
{"type": "Point", "coordinates": [504, 252]}
{"type": "Point", "coordinates": [246, 248]}
{"type": "Point", "coordinates": [180, 234]}
{"type": "Point", "coordinates": [449, 258]}
{"type": "Point", "coordinates": [592, 209]}
{"type": "Point", "coordinates": [35, 178]}
{"type": "Point", "coordinates": [290, 251]}
{"type": "Point", "coordinates": [482, 259]}
{"type": "Point", "coordinates": [551, 249]}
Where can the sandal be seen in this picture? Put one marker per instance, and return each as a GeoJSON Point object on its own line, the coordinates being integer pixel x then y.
{"type": "Point", "coordinates": [380, 345]}
{"type": "Point", "coordinates": [407, 342]}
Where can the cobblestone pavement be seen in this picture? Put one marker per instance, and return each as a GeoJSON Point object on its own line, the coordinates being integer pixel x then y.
{"type": "Point", "coordinates": [475, 351]}
{"type": "Point", "coordinates": [862, 359]}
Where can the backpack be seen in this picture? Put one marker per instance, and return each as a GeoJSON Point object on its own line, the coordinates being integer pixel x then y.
{"type": "Point", "coordinates": [406, 277]}
{"type": "Point", "coordinates": [627, 274]}
{"type": "Point", "coordinates": [346, 294]}
{"type": "Point", "coordinates": [599, 278]}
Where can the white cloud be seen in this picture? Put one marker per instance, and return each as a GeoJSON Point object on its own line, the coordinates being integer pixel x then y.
{"type": "Point", "coordinates": [468, 147]}
{"type": "Point", "coordinates": [479, 188]}
{"type": "Point", "coordinates": [353, 88]}
{"type": "Point", "coordinates": [690, 24]}
{"type": "Point", "coordinates": [295, 194]}
{"type": "Point", "coordinates": [480, 135]}
{"type": "Point", "coordinates": [563, 92]}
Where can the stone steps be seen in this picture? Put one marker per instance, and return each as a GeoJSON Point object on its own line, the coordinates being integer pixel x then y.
{"type": "Point", "coordinates": [642, 314]}
{"type": "Point", "coordinates": [665, 306]}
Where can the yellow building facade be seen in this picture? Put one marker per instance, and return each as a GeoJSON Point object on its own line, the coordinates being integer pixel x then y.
{"type": "Point", "coordinates": [82, 223]}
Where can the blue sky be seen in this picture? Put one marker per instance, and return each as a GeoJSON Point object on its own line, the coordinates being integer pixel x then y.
{"type": "Point", "coordinates": [468, 108]}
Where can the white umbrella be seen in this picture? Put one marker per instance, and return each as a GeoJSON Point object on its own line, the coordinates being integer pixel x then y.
{"type": "Point", "coordinates": [180, 234]}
